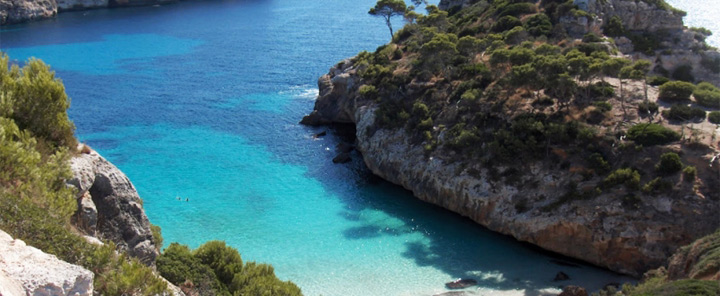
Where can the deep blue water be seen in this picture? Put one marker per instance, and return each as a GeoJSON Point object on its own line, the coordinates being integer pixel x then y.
{"type": "Point", "coordinates": [201, 100]}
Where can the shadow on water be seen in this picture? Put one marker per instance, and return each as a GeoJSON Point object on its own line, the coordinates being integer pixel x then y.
{"type": "Point", "coordinates": [451, 243]}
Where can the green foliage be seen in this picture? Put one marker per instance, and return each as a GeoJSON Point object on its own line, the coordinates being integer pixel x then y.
{"type": "Point", "coordinates": [388, 9]}
{"type": "Point", "coordinates": [669, 164]}
{"type": "Point", "coordinates": [120, 275]}
{"type": "Point", "coordinates": [215, 268]}
{"type": "Point", "coordinates": [683, 73]}
{"type": "Point", "coordinates": [646, 108]}
{"type": "Point", "coordinates": [518, 9]}
{"type": "Point", "coordinates": [35, 203]}
{"type": "Point", "coordinates": [598, 163]}
{"type": "Point", "coordinates": [657, 185]}
{"type": "Point", "coordinates": [157, 236]}
{"type": "Point", "coordinates": [601, 90]}
{"type": "Point", "coordinates": [38, 101]}
{"type": "Point", "coordinates": [368, 91]}
{"type": "Point", "coordinates": [649, 134]}
{"type": "Point", "coordinates": [686, 287]}
{"type": "Point", "coordinates": [657, 80]}
{"type": "Point", "coordinates": [592, 37]}
{"type": "Point", "coordinates": [707, 95]}
{"type": "Point", "coordinates": [506, 23]}
{"type": "Point", "coordinates": [614, 27]}
{"type": "Point", "coordinates": [646, 42]}
{"type": "Point", "coordinates": [602, 106]}
{"type": "Point", "coordinates": [689, 174]}
{"type": "Point", "coordinates": [538, 25]}
{"type": "Point", "coordinates": [684, 113]}
{"type": "Point", "coordinates": [628, 177]}
{"type": "Point", "coordinates": [675, 91]}
{"type": "Point", "coordinates": [714, 117]}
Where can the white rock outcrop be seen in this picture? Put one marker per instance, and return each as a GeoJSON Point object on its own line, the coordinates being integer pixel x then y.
{"type": "Point", "coordinates": [110, 208]}
{"type": "Point", "coordinates": [38, 273]}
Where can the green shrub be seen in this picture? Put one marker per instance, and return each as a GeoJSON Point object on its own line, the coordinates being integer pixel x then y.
{"type": "Point", "coordinates": [628, 177]}
{"type": "Point", "coordinates": [601, 90]}
{"type": "Point", "coordinates": [689, 173]}
{"type": "Point", "coordinates": [614, 27]}
{"type": "Point", "coordinates": [686, 287]}
{"type": "Point", "coordinates": [39, 102]}
{"type": "Point", "coordinates": [538, 25]}
{"type": "Point", "coordinates": [676, 91]}
{"type": "Point", "coordinates": [157, 236]}
{"type": "Point", "coordinates": [506, 23]}
{"type": "Point", "coordinates": [592, 37]}
{"type": "Point", "coordinates": [649, 134]}
{"type": "Point", "coordinates": [714, 117]}
{"type": "Point", "coordinates": [645, 108]}
{"type": "Point", "coordinates": [657, 185]}
{"type": "Point", "coordinates": [598, 163]}
{"type": "Point", "coordinates": [669, 164]}
{"type": "Point", "coordinates": [368, 91]}
{"type": "Point", "coordinates": [603, 106]}
{"type": "Point", "coordinates": [684, 113]}
{"type": "Point", "coordinates": [657, 80]}
{"type": "Point", "coordinates": [215, 268]}
{"type": "Point", "coordinates": [683, 73]}
{"type": "Point", "coordinates": [518, 9]}
{"type": "Point", "coordinates": [707, 95]}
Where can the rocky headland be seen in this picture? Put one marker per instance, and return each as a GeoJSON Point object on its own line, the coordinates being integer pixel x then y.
{"type": "Point", "coordinates": [445, 147]}
{"type": "Point", "coordinates": [20, 11]}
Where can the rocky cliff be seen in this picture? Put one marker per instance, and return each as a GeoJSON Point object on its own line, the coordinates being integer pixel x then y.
{"type": "Point", "coordinates": [25, 270]}
{"type": "Point", "coordinates": [604, 231]}
{"type": "Point", "coordinates": [17, 11]}
{"type": "Point", "coordinates": [109, 206]}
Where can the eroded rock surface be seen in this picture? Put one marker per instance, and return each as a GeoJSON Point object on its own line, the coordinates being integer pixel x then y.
{"type": "Point", "coordinates": [110, 208]}
{"type": "Point", "coordinates": [38, 273]}
{"type": "Point", "coordinates": [17, 11]}
{"type": "Point", "coordinates": [603, 231]}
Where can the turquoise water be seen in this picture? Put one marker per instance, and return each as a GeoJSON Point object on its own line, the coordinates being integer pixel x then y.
{"type": "Point", "coordinates": [201, 100]}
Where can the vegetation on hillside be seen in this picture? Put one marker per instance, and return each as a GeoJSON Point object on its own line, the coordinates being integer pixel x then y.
{"type": "Point", "coordinates": [36, 143]}
{"type": "Point", "coordinates": [217, 269]}
{"type": "Point", "coordinates": [501, 83]}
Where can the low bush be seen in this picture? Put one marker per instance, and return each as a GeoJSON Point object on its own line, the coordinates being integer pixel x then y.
{"type": "Point", "coordinates": [657, 185]}
{"type": "Point", "coordinates": [669, 164]}
{"type": "Point", "coordinates": [649, 134]}
{"type": "Point", "coordinates": [646, 108]}
{"type": "Point", "coordinates": [518, 9]}
{"type": "Point", "coordinates": [506, 23]}
{"type": "Point", "coordinates": [689, 174]}
{"type": "Point", "coordinates": [627, 176]}
{"type": "Point", "coordinates": [707, 95]}
{"type": "Point", "coordinates": [675, 91]}
{"type": "Point", "coordinates": [215, 268]}
{"type": "Point", "coordinates": [683, 73]}
{"type": "Point", "coordinates": [684, 113]}
{"type": "Point", "coordinates": [714, 117]}
{"type": "Point", "coordinates": [657, 80]}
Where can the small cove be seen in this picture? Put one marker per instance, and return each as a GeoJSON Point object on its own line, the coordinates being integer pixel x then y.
{"type": "Point", "coordinates": [200, 100]}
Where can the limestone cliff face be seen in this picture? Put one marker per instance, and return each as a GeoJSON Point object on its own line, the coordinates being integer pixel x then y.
{"type": "Point", "coordinates": [109, 207]}
{"type": "Point", "coordinates": [25, 270]}
{"type": "Point", "coordinates": [602, 231]}
{"type": "Point", "coordinates": [635, 15]}
{"type": "Point", "coordinates": [17, 11]}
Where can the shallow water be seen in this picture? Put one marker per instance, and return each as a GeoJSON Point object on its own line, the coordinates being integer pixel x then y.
{"type": "Point", "coordinates": [200, 100]}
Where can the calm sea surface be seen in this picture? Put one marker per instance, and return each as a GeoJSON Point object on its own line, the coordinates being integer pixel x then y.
{"type": "Point", "coordinates": [201, 100]}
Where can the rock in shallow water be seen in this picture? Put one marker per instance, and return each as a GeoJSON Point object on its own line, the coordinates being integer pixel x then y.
{"type": "Point", "coordinates": [573, 291]}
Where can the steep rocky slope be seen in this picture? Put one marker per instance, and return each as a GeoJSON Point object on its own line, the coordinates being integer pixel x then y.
{"type": "Point", "coordinates": [25, 270]}
{"type": "Point", "coordinates": [109, 206]}
{"type": "Point", "coordinates": [466, 131]}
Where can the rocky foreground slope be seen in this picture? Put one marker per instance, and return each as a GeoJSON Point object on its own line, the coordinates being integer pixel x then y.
{"type": "Point", "coordinates": [414, 129]}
